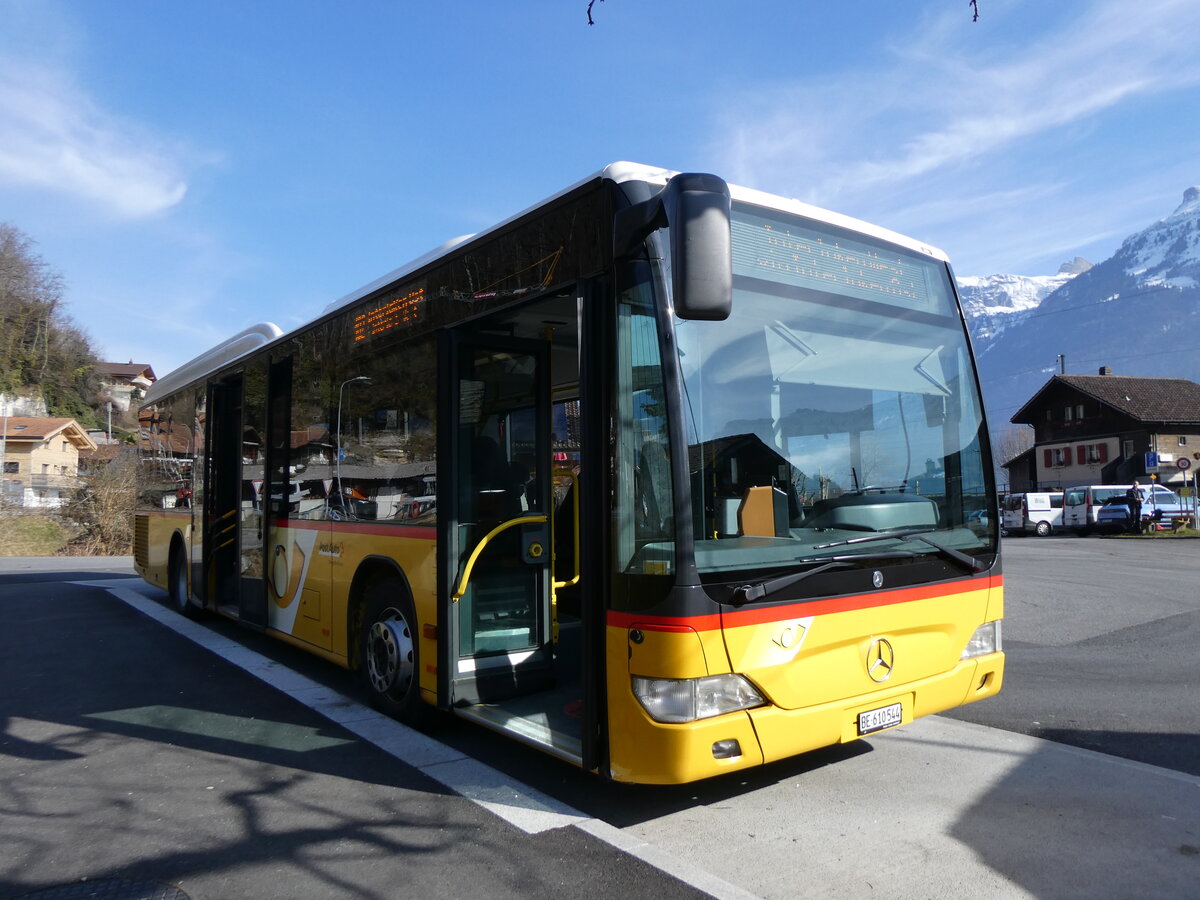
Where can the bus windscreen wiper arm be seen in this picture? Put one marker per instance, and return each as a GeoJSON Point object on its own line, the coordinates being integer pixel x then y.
{"type": "Point", "coordinates": [748, 592]}
{"type": "Point", "coordinates": [920, 534]}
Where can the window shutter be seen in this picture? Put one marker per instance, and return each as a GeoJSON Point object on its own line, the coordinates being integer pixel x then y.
{"type": "Point", "coordinates": [1049, 457]}
{"type": "Point", "coordinates": [1103, 452]}
{"type": "Point", "coordinates": [1080, 454]}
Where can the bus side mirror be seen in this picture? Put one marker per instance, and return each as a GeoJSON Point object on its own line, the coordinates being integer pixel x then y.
{"type": "Point", "coordinates": [696, 209]}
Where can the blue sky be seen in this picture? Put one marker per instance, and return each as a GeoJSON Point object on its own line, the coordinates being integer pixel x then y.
{"type": "Point", "coordinates": [191, 169]}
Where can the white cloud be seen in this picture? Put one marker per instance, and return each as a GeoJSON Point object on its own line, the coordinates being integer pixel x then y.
{"type": "Point", "coordinates": [54, 138]}
{"type": "Point", "coordinates": [938, 104]}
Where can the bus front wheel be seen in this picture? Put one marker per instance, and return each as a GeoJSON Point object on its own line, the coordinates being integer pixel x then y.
{"type": "Point", "coordinates": [388, 653]}
{"type": "Point", "coordinates": [177, 584]}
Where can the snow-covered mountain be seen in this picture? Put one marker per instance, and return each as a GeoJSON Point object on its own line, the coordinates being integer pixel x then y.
{"type": "Point", "coordinates": [1168, 252]}
{"type": "Point", "coordinates": [995, 302]}
{"type": "Point", "coordinates": [1137, 312]}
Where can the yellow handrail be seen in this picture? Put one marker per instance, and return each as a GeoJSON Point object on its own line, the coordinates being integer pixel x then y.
{"type": "Point", "coordinates": [503, 526]}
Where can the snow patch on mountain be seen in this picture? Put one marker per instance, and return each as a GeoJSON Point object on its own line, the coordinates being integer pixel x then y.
{"type": "Point", "coordinates": [1167, 254]}
{"type": "Point", "coordinates": [993, 303]}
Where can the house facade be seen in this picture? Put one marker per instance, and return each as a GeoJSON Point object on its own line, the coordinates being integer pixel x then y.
{"type": "Point", "coordinates": [125, 383]}
{"type": "Point", "coordinates": [1110, 429]}
{"type": "Point", "coordinates": [39, 459]}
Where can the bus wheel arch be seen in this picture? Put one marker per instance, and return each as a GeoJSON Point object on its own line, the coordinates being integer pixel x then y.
{"type": "Point", "coordinates": [385, 637]}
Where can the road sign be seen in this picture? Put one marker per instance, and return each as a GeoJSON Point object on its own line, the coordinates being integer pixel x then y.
{"type": "Point", "coordinates": [1184, 463]}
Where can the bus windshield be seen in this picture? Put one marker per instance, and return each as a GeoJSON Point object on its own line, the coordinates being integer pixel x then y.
{"type": "Point", "coordinates": [835, 412]}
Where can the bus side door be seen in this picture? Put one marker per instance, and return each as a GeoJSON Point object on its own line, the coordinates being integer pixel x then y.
{"type": "Point", "coordinates": [494, 537]}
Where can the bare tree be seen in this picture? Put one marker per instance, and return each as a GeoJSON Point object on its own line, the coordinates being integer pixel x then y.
{"type": "Point", "coordinates": [1012, 442]}
{"type": "Point", "coordinates": [102, 508]}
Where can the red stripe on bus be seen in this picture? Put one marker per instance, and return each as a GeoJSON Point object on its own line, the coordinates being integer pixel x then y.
{"type": "Point", "coordinates": [412, 532]}
{"type": "Point", "coordinates": [775, 613]}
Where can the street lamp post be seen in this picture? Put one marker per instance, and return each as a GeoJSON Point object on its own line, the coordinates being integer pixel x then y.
{"type": "Point", "coordinates": [360, 379]}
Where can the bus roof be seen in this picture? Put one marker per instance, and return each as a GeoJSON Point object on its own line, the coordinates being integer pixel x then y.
{"type": "Point", "coordinates": [257, 336]}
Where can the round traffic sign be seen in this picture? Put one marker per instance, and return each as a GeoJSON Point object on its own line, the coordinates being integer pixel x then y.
{"type": "Point", "coordinates": [1184, 463]}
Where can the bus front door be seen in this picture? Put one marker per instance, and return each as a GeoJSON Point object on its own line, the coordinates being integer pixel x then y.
{"type": "Point", "coordinates": [494, 612]}
{"type": "Point", "coordinates": [233, 516]}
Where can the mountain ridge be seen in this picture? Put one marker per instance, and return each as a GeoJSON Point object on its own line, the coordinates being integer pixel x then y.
{"type": "Point", "coordinates": [1136, 312]}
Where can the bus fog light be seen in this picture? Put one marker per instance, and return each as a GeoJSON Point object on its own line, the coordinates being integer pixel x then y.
{"type": "Point", "coordinates": [689, 699]}
{"type": "Point", "coordinates": [985, 640]}
{"type": "Point", "coordinates": [729, 749]}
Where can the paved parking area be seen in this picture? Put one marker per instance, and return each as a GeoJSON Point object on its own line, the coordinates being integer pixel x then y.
{"type": "Point", "coordinates": [129, 754]}
{"type": "Point", "coordinates": [129, 751]}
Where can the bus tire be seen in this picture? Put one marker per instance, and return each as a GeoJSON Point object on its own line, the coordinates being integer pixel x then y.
{"type": "Point", "coordinates": [177, 583]}
{"type": "Point", "coordinates": [1043, 529]}
{"type": "Point", "coordinates": [389, 657]}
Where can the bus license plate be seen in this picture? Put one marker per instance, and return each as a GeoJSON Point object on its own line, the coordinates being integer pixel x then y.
{"type": "Point", "coordinates": [879, 719]}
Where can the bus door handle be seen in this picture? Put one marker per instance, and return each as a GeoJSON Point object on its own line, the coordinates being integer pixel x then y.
{"type": "Point", "coordinates": [539, 519]}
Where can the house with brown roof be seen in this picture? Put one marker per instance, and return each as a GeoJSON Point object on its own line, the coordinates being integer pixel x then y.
{"type": "Point", "coordinates": [39, 459]}
{"type": "Point", "coordinates": [1110, 429]}
{"type": "Point", "coordinates": [125, 383]}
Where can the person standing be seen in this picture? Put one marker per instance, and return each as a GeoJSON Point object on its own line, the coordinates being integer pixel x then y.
{"type": "Point", "coordinates": [1133, 497]}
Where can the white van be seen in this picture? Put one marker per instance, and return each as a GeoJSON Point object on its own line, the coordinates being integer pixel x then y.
{"type": "Point", "coordinates": [1082, 504]}
{"type": "Point", "coordinates": [1037, 512]}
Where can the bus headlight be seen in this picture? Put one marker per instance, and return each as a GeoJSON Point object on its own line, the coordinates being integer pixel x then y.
{"type": "Point", "coordinates": [985, 640]}
{"type": "Point", "coordinates": [689, 699]}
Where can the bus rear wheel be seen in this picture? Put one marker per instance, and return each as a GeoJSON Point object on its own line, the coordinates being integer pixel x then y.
{"type": "Point", "coordinates": [388, 652]}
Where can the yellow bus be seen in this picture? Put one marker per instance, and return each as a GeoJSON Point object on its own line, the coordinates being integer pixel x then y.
{"type": "Point", "coordinates": [665, 477]}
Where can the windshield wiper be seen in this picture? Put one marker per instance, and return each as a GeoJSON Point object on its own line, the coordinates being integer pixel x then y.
{"type": "Point", "coordinates": [749, 592]}
{"type": "Point", "coordinates": [920, 534]}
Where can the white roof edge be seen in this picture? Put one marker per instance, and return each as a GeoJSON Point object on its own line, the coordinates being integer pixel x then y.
{"type": "Point", "coordinates": [800, 208]}
{"type": "Point", "coordinates": [210, 361]}
{"type": "Point", "coordinates": [627, 171]}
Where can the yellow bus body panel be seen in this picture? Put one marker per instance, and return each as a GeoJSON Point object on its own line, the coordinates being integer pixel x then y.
{"type": "Point", "coordinates": [806, 660]}
{"type": "Point", "coordinates": [152, 542]}
{"type": "Point", "coordinates": [811, 668]}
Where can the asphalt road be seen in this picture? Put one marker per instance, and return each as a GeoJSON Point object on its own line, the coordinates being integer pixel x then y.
{"type": "Point", "coordinates": [138, 746]}
{"type": "Point", "coordinates": [131, 756]}
{"type": "Point", "coordinates": [1101, 637]}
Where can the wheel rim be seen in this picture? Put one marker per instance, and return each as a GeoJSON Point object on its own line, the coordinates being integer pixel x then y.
{"type": "Point", "coordinates": [390, 654]}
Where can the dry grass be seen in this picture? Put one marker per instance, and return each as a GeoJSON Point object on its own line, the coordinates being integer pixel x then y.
{"type": "Point", "coordinates": [32, 535]}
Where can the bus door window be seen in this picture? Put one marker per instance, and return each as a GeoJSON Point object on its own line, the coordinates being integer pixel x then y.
{"type": "Point", "coordinates": [501, 477]}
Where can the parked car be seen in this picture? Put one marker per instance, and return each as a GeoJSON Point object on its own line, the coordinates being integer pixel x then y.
{"type": "Point", "coordinates": [1114, 516]}
{"type": "Point", "coordinates": [1160, 507]}
{"type": "Point", "coordinates": [1036, 512]}
{"type": "Point", "coordinates": [1084, 503]}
